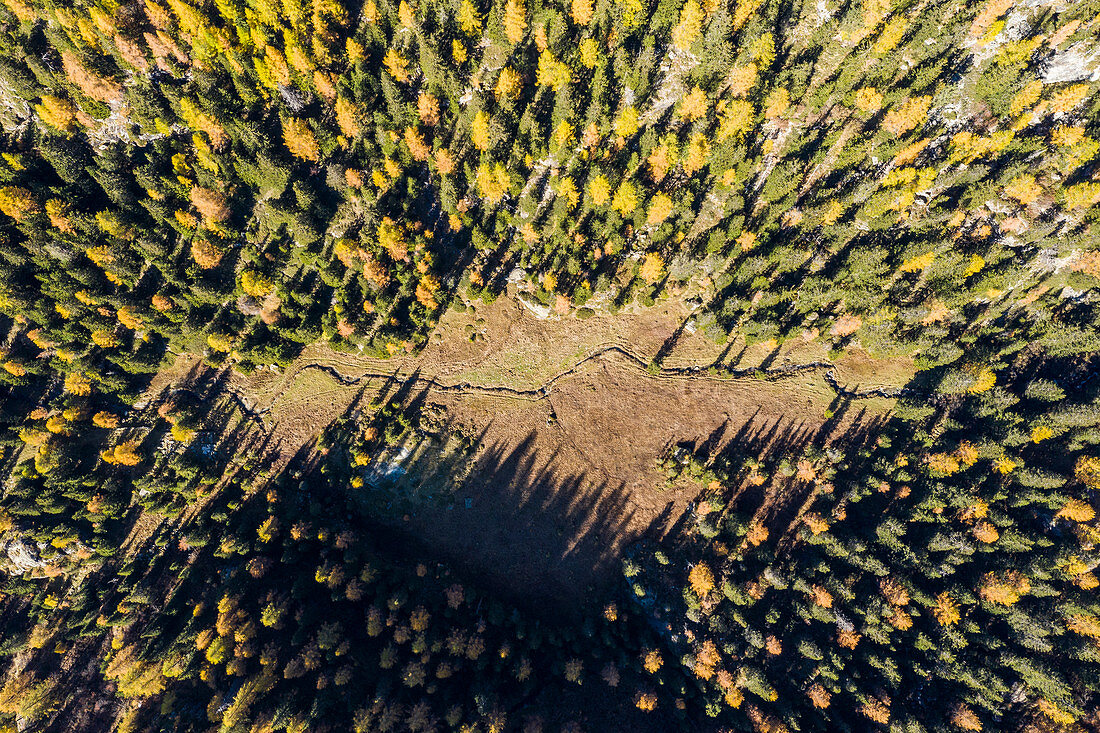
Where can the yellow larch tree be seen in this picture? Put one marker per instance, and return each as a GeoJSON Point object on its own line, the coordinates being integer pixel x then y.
{"type": "Point", "coordinates": [735, 119]}
{"type": "Point", "coordinates": [701, 580]}
{"type": "Point", "coordinates": [599, 190]}
{"type": "Point", "coordinates": [582, 11]}
{"type": "Point", "coordinates": [693, 106]}
{"type": "Point", "coordinates": [515, 20]}
{"type": "Point", "coordinates": [469, 19]}
{"type": "Point", "coordinates": [1065, 100]}
{"type": "Point", "coordinates": [1087, 471]}
{"type": "Point", "coordinates": [397, 65]}
{"type": "Point", "coordinates": [347, 117]}
{"type": "Point", "coordinates": [551, 72]}
{"type": "Point", "coordinates": [868, 99]}
{"type": "Point", "coordinates": [17, 202]}
{"type": "Point", "coordinates": [206, 254]}
{"type": "Point", "coordinates": [1077, 510]}
{"type": "Point", "coordinates": [76, 383]}
{"type": "Point", "coordinates": [626, 123]}
{"type": "Point", "coordinates": [777, 103]}
{"type": "Point", "coordinates": [689, 27]}
{"type": "Point", "coordinates": [741, 79]}
{"type": "Point", "coordinates": [492, 182]}
{"type": "Point", "coordinates": [418, 149]}
{"type": "Point", "coordinates": [427, 108]}
{"type": "Point", "coordinates": [696, 153]}
{"type": "Point", "coordinates": [891, 34]}
{"type": "Point", "coordinates": [660, 208]}
{"type": "Point", "coordinates": [745, 9]}
{"type": "Point", "coordinates": [652, 269]}
{"type": "Point", "coordinates": [626, 198]}
{"type": "Point", "coordinates": [907, 115]}
{"type": "Point", "coordinates": [964, 718]}
{"type": "Point", "coordinates": [1023, 189]}
{"type": "Point", "coordinates": [479, 130]}
{"type": "Point", "coordinates": [508, 86]}
{"type": "Point", "coordinates": [590, 53]}
{"type": "Point", "coordinates": [405, 15]}
{"type": "Point", "coordinates": [57, 113]}
{"type": "Point", "coordinates": [300, 140]}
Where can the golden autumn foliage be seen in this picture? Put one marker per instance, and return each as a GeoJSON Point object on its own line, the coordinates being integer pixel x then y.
{"type": "Point", "coordinates": [104, 419]}
{"type": "Point", "coordinates": [1004, 465]}
{"type": "Point", "coordinates": [626, 123]}
{"type": "Point", "coordinates": [907, 115]}
{"type": "Point", "coordinates": [1023, 189]}
{"type": "Point", "coordinates": [300, 139]}
{"type": "Point", "coordinates": [1084, 625]}
{"type": "Point", "coordinates": [875, 710]}
{"type": "Point", "coordinates": [696, 153]}
{"type": "Point", "coordinates": [206, 254]}
{"type": "Point", "coordinates": [1087, 471]}
{"type": "Point", "coordinates": [1063, 101]}
{"type": "Point", "coordinates": [17, 202]}
{"type": "Point", "coordinates": [391, 238]}
{"type": "Point", "coordinates": [1055, 713]}
{"type": "Point", "coordinates": [57, 112]}
{"type": "Point", "coordinates": [551, 72]}
{"type": "Point", "coordinates": [1005, 588]}
{"type": "Point", "coordinates": [742, 79]}
{"type": "Point", "coordinates": [78, 384]}
{"type": "Point", "coordinates": [964, 718]}
{"type": "Point", "coordinates": [689, 27]}
{"type": "Point", "coordinates": [701, 580]}
{"type": "Point", "coordinates": [660, 208]}
{"type": "Point", "coordinates": [848, 638]}
{"type": "Point", "coordinates": [645, 701]}
{"type": "Point", "coordinates": [492, 182]}
{"type": "Point", "coordinates": [868, 100]}
{"type": "Point", "coordinates": [819, 696]}
{"type": "Point", "coordinates": [418, 149]}
{"type": "Point", "coordinates": [599, 190]}
{"type": "Point", "coordinates": [479, 130]}
{"type": "Point", "coordinates": [626, 198]}
{"type": "Point", "coordinates": [98, 88]}
{"type": "Point", "coordinates": [210, 204]}
{"type": "Point", "coordinates": [515, 20]}
{"type": "Point", "coordinates": [652, 268]}
{"type": "Point", "coordinates": [693, 105]}
{"type": "Point", "coordinates": [582, 11]}
{"type": "Point", "coordinates": [946, 610]}
{"type": "Point", "coordinates": [1077, 511]}
{"type": "Point", "coordinates": [162, 302]}
{"type": "Point", "coordinates": [509, 85]}
{"type": "Point", "coordinates": [425, 291]}
{"type": "Point", "coordinates": [777, 103]}
{"type": "Point", "coordinates": [427, 108]}
{"type": "Point", "coordinates": [135, 677]}
{"type": "Point", "coordinates": [985, 532]}
{"type": "Point", "coordinates": [104, 339]}
{"type": "Point", "coordinates": [589, 53]}
{"type": "Point", "coordinates": [123, 454]}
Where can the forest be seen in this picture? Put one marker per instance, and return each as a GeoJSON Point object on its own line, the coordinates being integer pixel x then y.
{"type": "Point", "coordinates": [241, 182]}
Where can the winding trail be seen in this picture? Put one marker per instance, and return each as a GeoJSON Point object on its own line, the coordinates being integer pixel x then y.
{"type": "Point", "coordinates": [534, 394]}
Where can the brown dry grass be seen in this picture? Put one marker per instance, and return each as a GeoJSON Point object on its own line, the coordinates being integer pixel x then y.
{"type": "Point", "coordinates": [560, 485]}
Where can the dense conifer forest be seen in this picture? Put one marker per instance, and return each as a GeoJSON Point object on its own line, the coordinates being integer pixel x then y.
{"type": "Point", "coordinates": [239, 181]}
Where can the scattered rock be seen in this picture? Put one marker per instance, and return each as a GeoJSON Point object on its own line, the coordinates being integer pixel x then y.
{"type": "Point", "coordinates": [23, 556]}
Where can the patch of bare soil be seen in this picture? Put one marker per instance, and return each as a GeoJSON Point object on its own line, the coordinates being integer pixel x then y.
{"type": "Point", "coordinates": [562, 485]}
